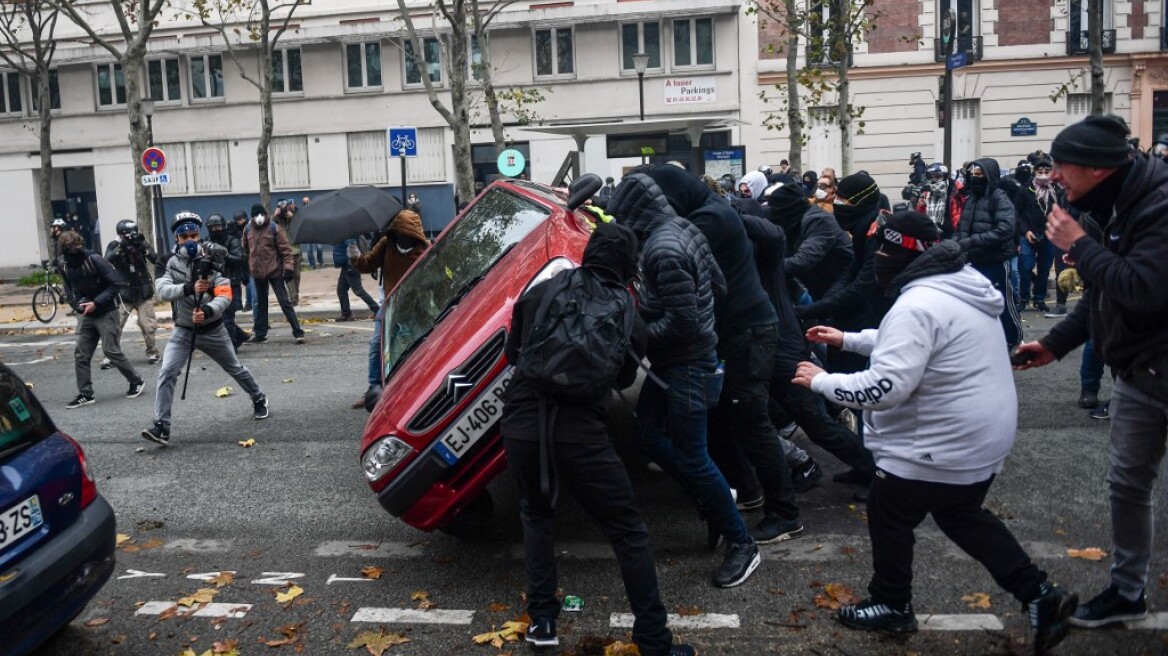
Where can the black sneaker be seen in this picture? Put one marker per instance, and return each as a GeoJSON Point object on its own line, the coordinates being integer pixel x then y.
{"type": "Point", "coordinates": [1023, 306]}
{"type": "Point", "coordinates": [1102, 412]}
{"type": "Point", "coordinates": [159, 433]}
{"type": "Point", "coordinates": [260, 408]}
{"type": "Point", "coordinates": [542, 632]}
{"type": "Point", "coordinates": [1109, 607]}
{"type": "Point", "coordinates": [682, 650]}
{"type": "Point", "coordinates": [853, 477]}
{"type": "Point", "coordinates": [1088, 399]}
{"type": "Point", "coordinates": [135, 389]}
{"type": "Point", "coordinates": [299, 338]}
{"type": "Point", "coordinates": [870, 615]}
{"type": "Point", "coordinates": [1058, 312]}
{"type": "Point", "coordinates": [806, 475]}
{"type": "Point", "coordinates": [81, 400]}
{"type": "Point", "coordinates": [1040, 306]}
{"type": "Point", "coordinates": [1048, 616]}
{"type": "Point", "coordinates": [106, 365]}
{"type": "Point", "coordinates": [773, 528]}
{"type": "Point", "coordinates": [740, 562]}
{"type": "Point", "coordinates": [258, 339]}
{"type": "Point", "coordinates": [153, 358]}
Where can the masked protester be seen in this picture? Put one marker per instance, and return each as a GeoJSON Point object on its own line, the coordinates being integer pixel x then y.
{"type": "Point", "coordinates": [200, 296]}
{"type": "Point", "coordinates": [234, 265]}
{"type": "Point", "coordinates": [809, 181]}
{"type": "Point", "coordinates": [269, 257]}
{"type": "Point", "coordinates": [818, 250]}
{"type": "Point", "coordinates": [92, 286]}
{"type": "Point", "coordinates": [824, 194]}
{"type": "Point", "coordinates": [939, 346]}
{"type": "Point", "coordinates": [134, 260]}
{"type": "Point", "coordinates": [1160, 148]}
{"type": "Point", "coordinates": [1036, 253]}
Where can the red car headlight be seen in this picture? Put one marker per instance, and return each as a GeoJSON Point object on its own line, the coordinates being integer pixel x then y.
{"type": "Point", "coordinates": [554, 266]}
{"type": "Point", "coordinates": [383, 456]}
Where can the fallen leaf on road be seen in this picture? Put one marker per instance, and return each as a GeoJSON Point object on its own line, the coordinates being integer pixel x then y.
{"type": "Point", "coordinates": [377, 642]}
{"type": "Point", "coordinates": [977, 600]}
{"type": "Point", "coordinates": [203, 596]}
{"type": "Point", "coordinates": [292, 593]}
{"type": "Point", "coordinates": [372, 571]}
{"type": "Point", "coordinates": [619, 648]}
{"type": "Point", "coordinates": [511, 632]}
{"type": "Point", "coordinates": [228, 647]}
{"type": "Point", "coordinates": [153, 543]}
{"type": "Point", "coordinates": [419, 595]}
{"type": "Point", "coordinates": [97, 621]}
{"type": "Point", "coordinates": [291, 634]}
{"type": "Point", "coordinates": [222, 579]}
{"type": "Point", "coordinates": [289, 380]}
{"type": "Point", "coordinates": [688, 611]}
{"type": "Point", "coordinates": [248, 443]}
{"type": "Point", "coordinates": [498, 608]}
{"type": "Point", "coordinates": [1090, 553]}
{"type": "Point", "coordinates": [837, 595]}
{"type": "Point", "coordinates": [224, 392]}
{"type": "Point", "coordinates": [122, 537]}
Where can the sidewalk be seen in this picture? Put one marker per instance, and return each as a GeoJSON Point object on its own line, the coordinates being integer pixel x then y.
{"type": "Point", "coordinates": [318, 301]}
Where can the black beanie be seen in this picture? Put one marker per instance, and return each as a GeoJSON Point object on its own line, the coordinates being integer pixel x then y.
{"type": "Point", "coordinates": [1096, 141]}
{"type": "Point", "coordinates": [859, 189]}
{"type": "Point", "coordinates": [909, 230]}
{"type": "Point", "coordinates": [788, 203]}
{"type": "Point", "coordinates": [257, 210]}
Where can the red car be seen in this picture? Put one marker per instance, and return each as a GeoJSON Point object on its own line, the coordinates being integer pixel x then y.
{"type": "Point", "coordinates": [432, 444]}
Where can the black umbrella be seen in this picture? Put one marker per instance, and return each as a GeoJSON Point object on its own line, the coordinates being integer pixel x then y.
{"type": "Point", "coordinates": [338, 215]}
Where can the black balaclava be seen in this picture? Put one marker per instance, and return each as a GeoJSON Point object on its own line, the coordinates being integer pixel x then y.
{"type": "Point", "coordinates": [787, 206]}
{"type": "Point", "coordinates": [75, 257]}
{"type": "Point", "coordinates": [612, 252]}
{"type": "Point", "coordinates": [684, 192]}
{"type": "Point", "coordinates": [889, 262]}
{"type": "Point", "coordinates": [864, 194]}
{"type": "Point", "coordinates": [810, 182]}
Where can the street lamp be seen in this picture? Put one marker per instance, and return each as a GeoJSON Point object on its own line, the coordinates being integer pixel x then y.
{"type": "Point", "coordinates": [640, 63]}
{"type": "Point", "coordinates": [148, 112]}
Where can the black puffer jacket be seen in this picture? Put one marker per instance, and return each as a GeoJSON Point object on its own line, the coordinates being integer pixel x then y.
{"type": "Point", "coordinates": [1124, 263]}
{"type": "Point", "coordinates": [986, 229]}
{"type": "Point", "coordinates": [855, 302]}
{"type": "Point", "coordinates": [745, 305]}
{"type": "Point", "coordinates": [818, 250]}
{"type": "Point", "coordinates": [679, 274]}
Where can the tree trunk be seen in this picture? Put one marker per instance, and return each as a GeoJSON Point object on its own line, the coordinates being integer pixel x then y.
{"type": "Point", "coordinates": [794, 108]}
{"type": "Point", "coordinates": [45, 181]}
{"type": "Point", "coordinates": [267, 121]}
{"type": "Point", "coordinates": [139, 142]}
{"type": "Point", "coordinates": [845, 120]}
{"type": "Point", "coordinates": [1095, 39]}
{"type": "Point", "coordinates": [489, 96]}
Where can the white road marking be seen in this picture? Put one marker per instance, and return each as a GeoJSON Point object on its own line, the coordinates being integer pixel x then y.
{"type": "Point", "coordinates": [369, 549]}
{"type": "Point", "coordinates": [414, 616]}
{"type": "Point", "coordinates": [37, 361]}
{"type": "Point", "coordinates": [21, 344]}
{"type": "Point", "coordinates": [675, 621]}
{"type": "Point", "coordinates": [333, 578]}
{"type": "Point", "coordinates": [277, 578]}
{"type": "Point", "coordinates": [1154, 621]}
{"type": "Point", "coordinates": [207, 576]}
{"type": "Point", "coordinates": [232, 611]}
{"type": "Point", "coordinates": [199, 546]}
{"type": "Point", "coordinates": [574, 550]}
{"type": "Point", "coordinates": [137, 574]}
{"type": "Point", "coordinates": [962, 622]}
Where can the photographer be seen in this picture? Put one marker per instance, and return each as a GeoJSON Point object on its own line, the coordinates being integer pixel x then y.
{"type": "Point", "coordinates": [200, 296]}
{"type": "Point", "coordinates": [91, 286]}
{"type": "Point", "coordinates": [285, 211]}
{"type": "Point", "coordinates": [934, 198]}
{"type": "Point", "coordinates": [228, 253]}
{"type": "Point", "coordinates": [132, 257]}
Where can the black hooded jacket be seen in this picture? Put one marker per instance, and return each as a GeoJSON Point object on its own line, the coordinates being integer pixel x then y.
{"type": "Point", "coordinates": [986, 230]}
{"type": "Point", "coordinates": [745, 305]}
{"type": "Point", "coordinates": [1124, 262]}
{"type": "Point", "coordinates": [855, 302]}
{"type": "Point", "coordinates": [681, 279]}
{"type": "Point", "coordinates": [611, 254]}
{"type": "Point", "coordinates": [91, 278]}
{"type": "Point", "coordinates": [818, 250]}
{"type": "Point", "coordinates": [770, 245]}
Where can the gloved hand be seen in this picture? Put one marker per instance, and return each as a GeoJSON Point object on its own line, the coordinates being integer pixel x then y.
{"type": "Point", "coordinates": [217, 251]}
{"type": "Point", "coordinates": [352, 251]}
{"type": "Point", "coordinates": [289, 274]}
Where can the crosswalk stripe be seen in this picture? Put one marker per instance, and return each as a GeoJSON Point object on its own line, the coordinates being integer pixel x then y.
{"type": "Point", "coordinates": [961, 622]}
{"type": "Point", "coordinates": [1154, 622]}
{"type": "Point", "coordinates": [413, 616]}
{"type": "Point", "coordinates": [675, 621]}
{"type": "Point", "coordinates": [369, 549]}
{"type": "Point", "coordinates": [233, 611]}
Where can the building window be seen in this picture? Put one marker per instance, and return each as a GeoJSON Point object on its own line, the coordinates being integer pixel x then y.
{"type": "Point", "coordinates": [206, 77]}
{"type": "Point", "coordinates": [289, 161]}
{"type": "Point", "coordinates": [211, 163]}
{"type": "Point", "coordinates": [693, 42]}
{"type": "Point", "coordinates": [1079, 15]}
{"type": "Point", "coordinates": [368, 158]}
{"type": "Point", "coordinates": [286, 70]}
{"type": "Point", "coordinates": [968, 17]}
{"type": "Point", "coordinates": [554, 52]}
{"type": "Point", "coordinates": [54, 92]}
{"type": "Point", "coordinates": [363, 65]}
{"type": "Point", "coordinates": [640, 37]}
{"type": "Point", "coordinates": [10, 101]}
{"type": "Point", "coordinates": [162, 80]}
{"type": "Point", "coordinates": [430, 164]}
{"type": "Point", "coordinates": [1079, 106]}
{"type": "Point", "coordinates": [176, 168]}
{"type": "Point", "coordinates": [475, 60]}
{"type": "Point", "coordinates": [433, 63]}
{"type": "Point", "coordinates": [111, 85]}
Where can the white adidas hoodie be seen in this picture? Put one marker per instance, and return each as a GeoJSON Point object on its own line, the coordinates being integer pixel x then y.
{"type": "Point", "coordinates": [938, 398]}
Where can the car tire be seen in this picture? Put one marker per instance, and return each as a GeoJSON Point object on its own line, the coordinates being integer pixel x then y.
{"type": "Point", "coordinates": [473, 520]}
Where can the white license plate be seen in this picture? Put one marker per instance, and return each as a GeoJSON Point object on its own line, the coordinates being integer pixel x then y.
{"type": "Point", "coordinates": [20, 520]}
{"type": "Point", "coordinates": [477, 420]}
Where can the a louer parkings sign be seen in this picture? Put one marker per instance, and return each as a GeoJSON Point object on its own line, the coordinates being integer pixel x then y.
{"type": "Point", "coordinates": [686, 90]}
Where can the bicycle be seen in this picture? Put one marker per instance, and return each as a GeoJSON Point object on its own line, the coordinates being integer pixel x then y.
{"type": "Point", "coordinates": [47, 297]}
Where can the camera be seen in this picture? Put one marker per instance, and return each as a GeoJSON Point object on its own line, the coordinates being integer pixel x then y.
{"type": "Point", "coordinates": [913, 191]}
{"type": "Point", "coordinates": [205, 268]}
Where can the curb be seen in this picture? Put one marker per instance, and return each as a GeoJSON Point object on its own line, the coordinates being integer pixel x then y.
{"type": "Point", "coordinates": [54, 328]}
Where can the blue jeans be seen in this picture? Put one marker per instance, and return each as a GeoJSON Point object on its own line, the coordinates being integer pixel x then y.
{"type": "Point", "coordinates": [672, 431]}
{"type": "Point", "coordinates": [1090, 369]}
{"type": "Point", "coordinates": [1032, 283]}
{"type": "Point", "coordinates": [1014, 277]}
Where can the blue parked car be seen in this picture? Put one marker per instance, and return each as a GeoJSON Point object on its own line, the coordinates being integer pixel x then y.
{"type": "Point", "coordinates": [57, 534]}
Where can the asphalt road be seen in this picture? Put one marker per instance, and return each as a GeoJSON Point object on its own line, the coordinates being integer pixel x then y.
{"type": "Point", "coordinates": [295, 508]}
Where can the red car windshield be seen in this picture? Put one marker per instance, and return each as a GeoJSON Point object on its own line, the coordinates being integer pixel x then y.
{"type": "Point", "coordinates": [451, 267]}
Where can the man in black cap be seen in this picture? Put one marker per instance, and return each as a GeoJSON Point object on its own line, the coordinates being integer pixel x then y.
{"type": "Point", "coordinates": [938, 346]}
{"type": "Point", "coordinates": [1119, 246]}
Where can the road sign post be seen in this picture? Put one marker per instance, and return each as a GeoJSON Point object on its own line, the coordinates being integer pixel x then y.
{"type": "Point", "coordinates": [402, 142]}
{"type": "Point", "coordinates": [154, 163]}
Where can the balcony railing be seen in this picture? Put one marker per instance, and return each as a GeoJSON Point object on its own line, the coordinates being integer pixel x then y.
{"type": "Point", "coordinates": [1079, 43]}
{"type": "Point", "coordinates": [970, 44]}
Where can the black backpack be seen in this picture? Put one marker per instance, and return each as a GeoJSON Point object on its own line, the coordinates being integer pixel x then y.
{"type": "Point", "coordinates": [580, 336]}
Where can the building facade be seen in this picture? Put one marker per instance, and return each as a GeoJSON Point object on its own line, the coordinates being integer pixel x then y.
{"type": "Point", "coordinates": [710, 76]}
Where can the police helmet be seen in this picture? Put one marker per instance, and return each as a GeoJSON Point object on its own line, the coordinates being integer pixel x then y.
{"type": "Point", "coordinates": [937, 169]}
{"type": "Point", "coordinates": [186, 217]}
{"type": "Point", "coordinates": [126, 227]}
{"type": "Point", "coordinates": [216, 221]}
{"type": "Point", "coordinates": [58, 223]}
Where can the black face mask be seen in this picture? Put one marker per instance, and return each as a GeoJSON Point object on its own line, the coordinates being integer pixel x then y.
{"type": "Point", "coordinates": [889, 263]}
{"type": "Point", "coordinates": [74, 258]}
{"type": "Point", "coordinates": [218, 236]}
{"type": "Point", "coordinates": [848, 215]}
{"type": "Point", "coordinates": [976, 186]}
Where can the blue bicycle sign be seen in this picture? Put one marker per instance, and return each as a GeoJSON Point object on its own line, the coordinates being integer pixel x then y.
{"type": "Point", "coordinates": [402, 141]}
